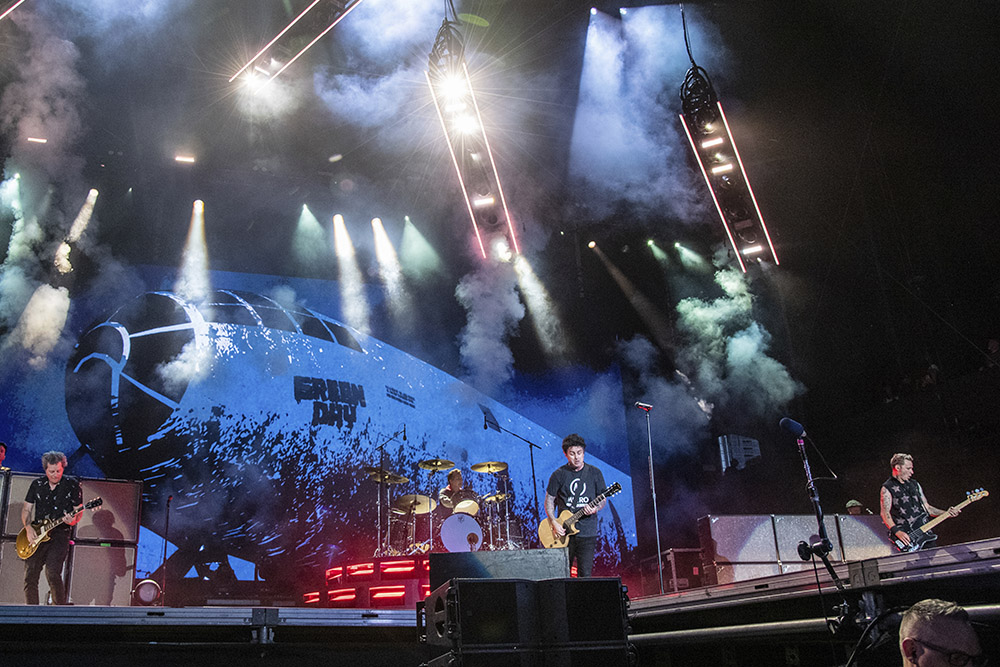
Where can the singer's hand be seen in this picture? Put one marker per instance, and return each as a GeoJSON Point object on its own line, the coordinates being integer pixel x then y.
{"type": "Point", "coordinates": [557, 527]}
{"type": "Point", "coordinates": [903, 537]}
{"type": "Point", "coordinates": [589, 509]}
{"type": "Point", "coordinates": [30, 532]}
{"type": "Point", "coordinates": [954, 511]}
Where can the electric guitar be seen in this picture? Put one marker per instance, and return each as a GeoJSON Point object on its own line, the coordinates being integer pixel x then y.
{"type": "Point", "coordinates": [922, 535]}
{"type": "Point", "coordinates": [25, 547]}
{"type": "Point", "coordinates": [547, 536]}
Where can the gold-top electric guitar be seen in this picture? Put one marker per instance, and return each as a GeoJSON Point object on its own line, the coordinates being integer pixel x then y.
{"type": "Point", "coordinates": [547, 536]}
{"type": "Point", "coordinates": [25, 547]}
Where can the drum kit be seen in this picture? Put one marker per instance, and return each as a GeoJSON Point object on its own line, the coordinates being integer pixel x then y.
{"type": "Point", "coordinates": [418, 523]}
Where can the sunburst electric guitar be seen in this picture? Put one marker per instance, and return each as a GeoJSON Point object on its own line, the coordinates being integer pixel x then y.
{"type": "Point", "coordinates": [568, 519]}
{"type": "Point", "coordinates": [922, 535]}
{"type": "Point", "coordinates": [25, 547]}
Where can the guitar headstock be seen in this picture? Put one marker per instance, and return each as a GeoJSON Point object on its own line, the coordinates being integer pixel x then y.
{"type": "Point", "coordinates": [978, 494]}
{"type": "Point", "coordinates": [612, 490]}
{"type": "Point", "coordinates": [96, 502]}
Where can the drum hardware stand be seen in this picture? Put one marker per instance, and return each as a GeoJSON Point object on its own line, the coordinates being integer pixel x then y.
{"type": "Point", "coordinates": [489, 421]}
{"type": "Point", "coordinates": [384, 549]}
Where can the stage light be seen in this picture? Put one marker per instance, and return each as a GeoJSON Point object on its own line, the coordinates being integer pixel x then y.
{"type": "Point", "coordinates": [418, 257]}
{"type": "Point", "coordinates": [146, 593]}
{"type": "Point", "coordinates": [593, 11]}
{"type": "Point", "coordinates": [623, 10]}
{"type": "Point", "coordinates": [340, 9]}
{"type": "Point", "coordinates": [721, 165]}
{"type": "Point", "coordinates": [37, 140]}
{"type": "Point", "coordinates": [184, 159]}
{"type": "Point", "coordinates": [592, 244]}
{"type": "Point", "coordinates": [193, 279]}
{"type": "Point", "coordinates": [10, 9]}
{"type": "Point", "coordinates": [455, 102]}
{"type": "Point", "coordinates": [501, 251]}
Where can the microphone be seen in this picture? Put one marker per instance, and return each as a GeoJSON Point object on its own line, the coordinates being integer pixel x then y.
{"type": "Point", "coordinates": [643, 406]}
{"type": "Point", "coordinates": [404, 432]}
{"type": "Point", "coordinates": [793, 427]}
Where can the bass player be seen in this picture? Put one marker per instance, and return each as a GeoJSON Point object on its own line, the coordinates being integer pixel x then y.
{"type": "Point", "coordinates": [904, 506]}
{"type": "Point", "coordinates": [572, 487]}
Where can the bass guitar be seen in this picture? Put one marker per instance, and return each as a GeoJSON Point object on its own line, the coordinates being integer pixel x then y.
{"type": "Point", "coordinates": [547, 536]}
{"type": "Point", "coordinates": [922, 535]}
{"type": "Point", "coordinates": [25, 547]}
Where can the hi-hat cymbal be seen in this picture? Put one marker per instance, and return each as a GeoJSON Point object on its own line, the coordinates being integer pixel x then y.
{"type": "Point", "coordinates": [377, 474]}
{"type": "Point", "coordinates": [495, 498]}
{"type": "Point", "coordinates": [436, 464]}
{"type": "Point", "coordinates": [415, 503]}
{"type": "Point", "coordinates": [489, 466]}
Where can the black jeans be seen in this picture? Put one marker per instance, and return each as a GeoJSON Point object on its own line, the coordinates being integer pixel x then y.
{"type": "Point", "coordinates": [582, 548]}
{"type": "Point", "coordinates": [50, 555]}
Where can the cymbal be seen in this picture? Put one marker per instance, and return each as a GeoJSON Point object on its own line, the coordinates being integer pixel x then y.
{"type": "Point", "coordinates": [489, 466]}
{"type": "Point", "coordinates": [496, 498]}
{"type": "Point", "coordinates": [377, 474]}
{"type": "Point", "coordinates": [436, 464]}
{"type": "Point", "coordinates": [415, 503]}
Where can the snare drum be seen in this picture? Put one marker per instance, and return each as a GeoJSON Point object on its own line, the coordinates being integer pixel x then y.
{"type": "Point", "coordinates": [461, 532]}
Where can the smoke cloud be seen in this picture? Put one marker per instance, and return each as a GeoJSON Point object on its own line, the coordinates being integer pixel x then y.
{"type": "Point", "coordinates": [494, 311]}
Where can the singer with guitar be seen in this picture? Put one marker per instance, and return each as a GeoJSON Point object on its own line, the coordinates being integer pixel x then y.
{"type": "Point", "coordinates": [904, 506]}
{"type": "Point", "coordinates": [572, 487]}
{"type": "Point", "coordinates": [53, 496]}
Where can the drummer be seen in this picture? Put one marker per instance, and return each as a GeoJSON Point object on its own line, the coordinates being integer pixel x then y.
{"type": "Point", "coordinates": [452, 493]}
{"type": "Point", "coordinates": [455, 498]}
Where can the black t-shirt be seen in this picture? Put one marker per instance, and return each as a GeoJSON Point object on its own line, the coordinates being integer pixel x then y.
{"type": "Point", "coordinates": [54, 503]}
{"type": "Point", "coordinates": [573, 490]}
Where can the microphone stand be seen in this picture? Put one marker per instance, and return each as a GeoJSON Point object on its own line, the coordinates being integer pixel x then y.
{"type": "Point", "coordinates": [822, 548]}
{"type": "Point", "coordinates": [652, 488]}
{"type": "Point", "coordinates": [531, 454]}
{"type": "Point", "coordinates": [381, 550]}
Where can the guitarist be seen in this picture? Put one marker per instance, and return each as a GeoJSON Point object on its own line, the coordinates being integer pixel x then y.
{"type": "Point", "coordinates": [571, 487]}
{"type": "Point", "coordinates": [50, 497]}
{"type": "Point", "coordinates": [904, 506]}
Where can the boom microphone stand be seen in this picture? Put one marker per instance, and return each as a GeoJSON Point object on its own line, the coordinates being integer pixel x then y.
{"type": "Point", "coordinates": [646, 407]}
{"type": "Point", "coordinates": [822, 548]}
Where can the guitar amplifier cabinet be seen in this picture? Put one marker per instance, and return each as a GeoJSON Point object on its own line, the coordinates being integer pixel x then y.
{"type": "Point", "coordinates": [17, 488]}
{"type": "Point", "coordinates": [12, 575]}
{"type": "Point", "coordinates": [101, 575]}
{"type": "Point", "coordinates": [738, 538]}
{"type": "Point", "coordinates": [863, 537]}
{"type": "Point", "coordinates": [790, 529]}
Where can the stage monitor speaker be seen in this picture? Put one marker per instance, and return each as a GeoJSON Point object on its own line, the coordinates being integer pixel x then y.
{"type": "Point", "coordinates": [117, 519]}
{"type": "Point", "coordinates": [530, 564]}
{"type": "Point", "coordinates": [18, 488]}
{"type": "Point", "coordinates": [737, 538]}
{"type": "Point", "coordinates": [102, 575]}
{"type": "Point", "coordinates": [864, 537]}
{"type": "Point", "coordinates": [790, 529]}
{"type": "Point", "coordinates": [582, 610]}
{"type": "Point", "coordinates": [469, 613]}
{"type": "Point", "coordinates": [12, 576]}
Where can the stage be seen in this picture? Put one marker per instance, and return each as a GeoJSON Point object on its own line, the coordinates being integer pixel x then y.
{"type": "Point", "coordinates": [780, 620]}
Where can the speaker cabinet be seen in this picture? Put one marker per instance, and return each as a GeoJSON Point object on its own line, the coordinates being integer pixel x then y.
{"type": "Point", "coordinates": [530, 564]}
{"type": "Point", "coordinates": [582, 610]}
{"type": "Point", "coordinates": [864, 537]}
{"type": "Point", "coordinates": [117, 519]}
{"type": "Point", "coordinates": [790, 529]}
{"type": "Point", "coordinates": [471, 613]}
{"type": "Point", "coordinates": [737, 538]}
{"type": "Point", "coordinates": [102, 575]}
{"type": "Point", "coordinates": [12, 576]}
{"type": "Point", "coordinates": [18, 484]}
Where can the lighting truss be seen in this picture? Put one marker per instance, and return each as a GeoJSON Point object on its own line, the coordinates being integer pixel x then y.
{"type": "Point", "coordinates": [333, 11]}
{"type": "Point", "coordinates": [725, 175]}
{"type": "Point", "coordinates": [455, 101]}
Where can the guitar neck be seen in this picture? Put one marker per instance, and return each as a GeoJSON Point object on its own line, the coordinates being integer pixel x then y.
{"type": "Point", "coordinates": [593, 503]}
{"type": "Point", "coordinates": [944, 515]}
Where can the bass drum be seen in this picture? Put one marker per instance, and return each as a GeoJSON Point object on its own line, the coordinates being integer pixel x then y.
{"type": "Point", "coordinates": [461, 532]}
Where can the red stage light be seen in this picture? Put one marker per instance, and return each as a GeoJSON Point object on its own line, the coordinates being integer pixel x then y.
{"type": "Point", "coordinates": [310, 598]}
{"type": "Point", "coordinates": [387, 592]}
{"type": "Point", "coordinates": [398, 566]}
{"type": "Point", "coordinates": [361, 570]}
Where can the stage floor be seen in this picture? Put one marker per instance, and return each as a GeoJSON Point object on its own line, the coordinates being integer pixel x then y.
{"type": "Point", "coordinates": [787, 612]}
